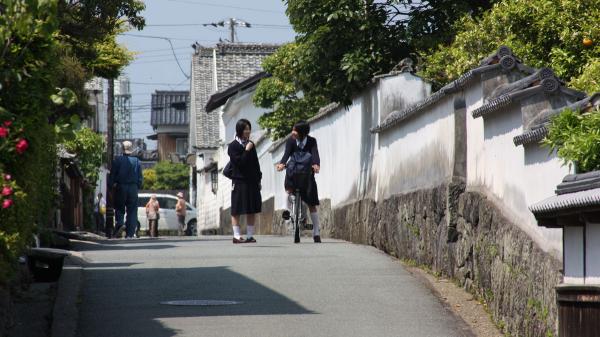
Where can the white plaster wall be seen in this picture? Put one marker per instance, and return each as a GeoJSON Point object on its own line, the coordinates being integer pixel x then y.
{"type": "Point", "coordinates": [416, 154]}
{"type": "Point", "coordinates": [339, 141]}
{"type": "Point", "coordinates": [237, 107]}
{"type": "Point", "coordinates": [517, 176]}
{"type": "Point", "coordinates": [573, 263]}
{"type": "Point", "coordinates": [592, 253]}
{"type": "Point", "coordinates": [277, 177]}
{"type": "Point", "coordinates": [395, 93]}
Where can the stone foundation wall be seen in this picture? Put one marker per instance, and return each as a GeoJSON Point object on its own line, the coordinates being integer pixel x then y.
{"type": "Point", "coordinates": [490, 257]}
{"type": "Point", "coordinates": [263, 225]}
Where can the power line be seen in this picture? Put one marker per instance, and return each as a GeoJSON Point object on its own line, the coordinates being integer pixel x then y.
{"type": "Point", "coordinates": [232, 23]}
{"type": "Point", "coordinates": [170, 44]}
{"type": "Point", "coordinates": [255, 25]}
{"type": "Point", "coordinates": [163, 61]}
{"type": "Point", "coordinates": [198, 3]}
{"type": "Point", "coordinates": [157, 83]}
{"type": "Point", "coordinates": [160, 37]}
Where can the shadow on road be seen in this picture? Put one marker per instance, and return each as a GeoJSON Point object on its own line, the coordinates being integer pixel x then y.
{"type": "Point", "coordinates": [83, 246]}
{"type": "Point", "coordinates": [126, 302]}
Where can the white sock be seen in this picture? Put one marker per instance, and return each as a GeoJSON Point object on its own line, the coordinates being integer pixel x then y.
{"type": "Point", "coordinates": [236, 232]}
{"type": "Point", "coordinates": [250, 229]}
{"type": "Point", "coordinates": [315, 220]}
{"type": "Point", "coordinates": [288, 202]}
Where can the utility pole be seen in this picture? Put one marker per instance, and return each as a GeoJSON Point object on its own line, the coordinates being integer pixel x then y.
{"type": "Point", "coordinates": [232, 23]}
{"type": "Point", "coordinates": [110, 112]}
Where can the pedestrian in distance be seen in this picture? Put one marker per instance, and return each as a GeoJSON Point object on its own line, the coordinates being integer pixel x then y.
{"type": "Point", "coordinates": [126, 179]}
{"type": "Point", "coordinates": [99, 212]}
{"type": "Point", "coordinates": [180, 211]}
{"type": "Point", "coordinates": [152, 214]}
{"type": "Point", "coordinates": [246, 181]}
{"type": "Point", "coordinates": [300, 141]}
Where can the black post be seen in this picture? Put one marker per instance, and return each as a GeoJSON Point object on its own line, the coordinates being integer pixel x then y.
{"type": "Point", "coordinates": [110, 109]}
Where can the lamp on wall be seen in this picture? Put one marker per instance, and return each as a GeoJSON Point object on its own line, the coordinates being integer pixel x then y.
{"type": "Point", "coordinates": [214, 179]}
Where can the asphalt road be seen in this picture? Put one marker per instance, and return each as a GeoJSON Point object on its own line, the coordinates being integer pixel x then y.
{"type": "Point", "coordinates": [282, 289]}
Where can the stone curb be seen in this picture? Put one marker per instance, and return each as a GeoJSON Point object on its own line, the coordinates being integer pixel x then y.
{"type": "Point", "coordinates": [65, 314]}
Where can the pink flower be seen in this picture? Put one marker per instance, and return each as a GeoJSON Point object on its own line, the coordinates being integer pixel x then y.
{"type": "Point", "coordinates": [7, 123]}
{"type": "Point", "coordinates": [6, 191]}
{"type": "Point", "coordinates": [3, 132]}
{"type": "Point", "coordinates": [7, 177]}
{"type": "Point", "coordinates": [21, 146]}
{"type": "Point", "coordinates": [7, 203]}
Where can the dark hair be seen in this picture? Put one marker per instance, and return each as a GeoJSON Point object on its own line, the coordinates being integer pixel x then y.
{"type": "Point", "coordinates": [303, 128]}
{"type": "Point", "coordinates": [240, 126]}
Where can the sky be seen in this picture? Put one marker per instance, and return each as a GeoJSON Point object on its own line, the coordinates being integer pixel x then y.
{"type": "Point", "coordinates": [155, 67]}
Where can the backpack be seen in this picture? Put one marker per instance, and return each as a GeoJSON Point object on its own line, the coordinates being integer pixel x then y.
{"type": "Point", "coordinates": [299, 168]}
{"type": "Point", "coordinates": [228, 170]}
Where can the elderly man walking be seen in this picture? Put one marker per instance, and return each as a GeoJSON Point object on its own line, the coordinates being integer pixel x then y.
{"type": "Point", "coordinates": [125, 179]}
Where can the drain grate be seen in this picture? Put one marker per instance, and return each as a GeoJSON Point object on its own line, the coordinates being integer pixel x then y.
{"type": "Point", "coordinates": [201, 303]}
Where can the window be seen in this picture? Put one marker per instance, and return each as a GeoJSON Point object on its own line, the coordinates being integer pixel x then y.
{"type": "Point", "coordinates": [167, 203]}
{"type": "Point", "coordinates": [214, 179]}
{"type": "Point", "coordinates": [181, 146]}
{"type": "Point", "coordinates": [142, 201]}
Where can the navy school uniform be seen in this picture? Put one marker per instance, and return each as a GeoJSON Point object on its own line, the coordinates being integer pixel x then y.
{"type": "Point", "coordinates": [311, 194]}
{"type": "Point", "coordinates": [246, 177]}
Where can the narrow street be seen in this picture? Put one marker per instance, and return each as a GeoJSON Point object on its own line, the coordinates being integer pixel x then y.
{"type": "Point", "coordinates": [332, 289]}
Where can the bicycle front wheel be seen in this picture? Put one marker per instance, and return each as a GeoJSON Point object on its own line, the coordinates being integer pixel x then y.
{"type": "Point", "coordinates": [297, 205]}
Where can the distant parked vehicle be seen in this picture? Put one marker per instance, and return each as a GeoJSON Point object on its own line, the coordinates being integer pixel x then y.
{"type": "Point", "coordinates": [168, 218]}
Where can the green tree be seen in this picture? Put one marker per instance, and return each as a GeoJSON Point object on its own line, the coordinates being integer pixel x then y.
{"type": "Point", "coordinates": [576, 139]}
{"type": "Point", "coordinates": [89, 147]}
{"type": "Point", "coordinates": [170, 176]}
{"type": "Point", "coordinates": [341, 44]}
{"type": "Point", "coordinates": [544, 33]}
{"type": "Point", "coordinates": [149, 179]}
{"type": "Point", "coordinates": [48, 50]}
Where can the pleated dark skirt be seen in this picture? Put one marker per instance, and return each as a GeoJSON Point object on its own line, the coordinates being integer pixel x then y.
{"type": "Point", "coordinates": [309, 194]}
{"type": "Point", "coordinates": [245, 198]}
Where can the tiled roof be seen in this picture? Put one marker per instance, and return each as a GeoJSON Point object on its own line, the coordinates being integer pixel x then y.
{"type": "Point", "coordinates": [219, 98]}
{"type": "Point", "coordinates": [170, 108]}
{"type": "Point", "coordinates": [503, 59]}
{"type": "Point", "coordinates": [538, 128]}
{"type": "Point", "coordinates": [234, 63]}
{"type": "Point", "coordinates": [565, 202]}
{"type": "Point", "coordinates": [577, 192]}
{"type": "Point", "coordinates": [542, 80]}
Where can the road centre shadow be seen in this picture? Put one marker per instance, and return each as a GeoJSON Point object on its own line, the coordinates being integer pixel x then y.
{"type": "Point", "coordinates": [128, 300]}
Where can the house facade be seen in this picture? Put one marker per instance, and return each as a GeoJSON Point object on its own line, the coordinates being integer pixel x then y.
{"type": "Point", "coordinates": [215, 69]}
{"type": "Point", "coordinates": [170, 121]}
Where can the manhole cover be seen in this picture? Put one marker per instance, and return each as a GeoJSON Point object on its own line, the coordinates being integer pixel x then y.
{"type": "Point", "coordinates": [203, 303]}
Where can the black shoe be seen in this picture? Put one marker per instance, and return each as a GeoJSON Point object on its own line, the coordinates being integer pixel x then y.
{"type": "Point", "coordinates": [240, 240]}
{"type": "Point", "coordinates": [317, 239]}
{"type": "Point", "coordinates": [250, 240]}
{"type": "Point", "coordinates": [286, 215]}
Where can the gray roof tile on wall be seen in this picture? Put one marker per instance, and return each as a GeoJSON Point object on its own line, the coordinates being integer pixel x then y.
{"type": "Point", "coordinates": [502, 59]}
{"type": "Point", "coordinates": [539, 127]}
{"type": "Point", "coordinates": [235, 62]}
{"type": "Point", "coordinates": [542, 80]}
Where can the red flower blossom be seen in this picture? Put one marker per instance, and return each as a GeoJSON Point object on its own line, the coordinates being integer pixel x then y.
{"type": "Point", "coordinates": [7, 203]}
{"type": "Point", "coordinates": [7, 177]}
{"type": "Point", "coordinates": [7, 123]}
{"type": "Point", "coordinates": [6, 191]}
{"type": "Point", "coordinates": [21, 146]}
{"type": "Point", "coordinates": [3, 132]}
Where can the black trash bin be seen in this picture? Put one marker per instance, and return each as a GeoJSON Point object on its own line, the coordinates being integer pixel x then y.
{"type": "Point", "coordinates": [45, 264]}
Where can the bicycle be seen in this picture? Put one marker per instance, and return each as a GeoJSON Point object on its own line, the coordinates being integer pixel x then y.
{"type": "Point", "coordinates": [297, 213]}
